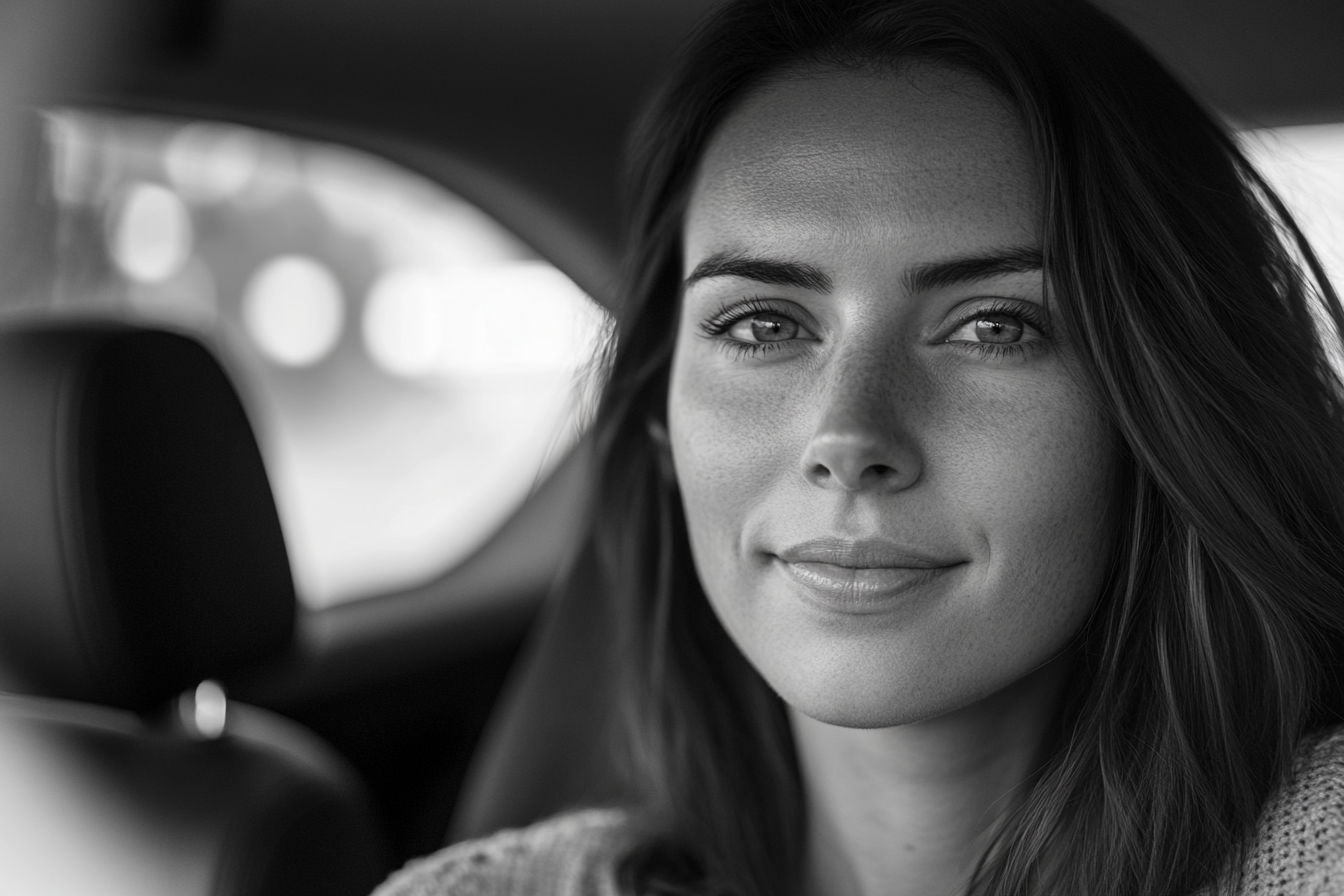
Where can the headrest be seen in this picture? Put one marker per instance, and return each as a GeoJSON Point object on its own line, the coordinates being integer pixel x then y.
{"type": "Point", "coordinates": [140, 548]}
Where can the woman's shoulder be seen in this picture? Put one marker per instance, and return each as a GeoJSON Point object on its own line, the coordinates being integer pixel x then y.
{"type": "Point", "coordinates": [573, 854]}
{"type": "Point", "coordinates": [1299, 845]}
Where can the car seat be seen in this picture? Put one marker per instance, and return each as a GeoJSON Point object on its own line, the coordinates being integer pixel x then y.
{"type": "Point", "coordinates": [141, 563]}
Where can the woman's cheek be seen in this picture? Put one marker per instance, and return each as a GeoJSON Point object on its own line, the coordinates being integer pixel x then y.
{"type": "Point", "coordinates": [729, 449]}
{"type": "Point", "coordinates": [727, 431]}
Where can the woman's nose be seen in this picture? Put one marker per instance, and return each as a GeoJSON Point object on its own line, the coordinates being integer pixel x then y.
{"type": "Point", "coordinates": [859, 445]}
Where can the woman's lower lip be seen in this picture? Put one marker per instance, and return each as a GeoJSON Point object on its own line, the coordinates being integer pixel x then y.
{"type": "Point", "coordinates": [858, 590]}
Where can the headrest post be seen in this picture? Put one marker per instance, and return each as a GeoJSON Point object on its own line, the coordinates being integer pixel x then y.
{"type": "Point", "coordinates": [202, 711]}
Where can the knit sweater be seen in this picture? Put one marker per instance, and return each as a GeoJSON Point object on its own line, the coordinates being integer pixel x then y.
{"type": "Point", "coordinates": [1298, 848]}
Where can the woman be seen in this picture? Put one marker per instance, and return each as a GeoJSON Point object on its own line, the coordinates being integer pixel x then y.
{"type": "Point", "coordinates": [970, 480]}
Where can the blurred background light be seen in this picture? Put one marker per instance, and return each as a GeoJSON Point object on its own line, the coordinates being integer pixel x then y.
{"type": "Point", "coordinates": [212, 162]}
{"type": "Point", "coordinates": [150, 233]}
{"type": "Point", "coordinates": [406, 321]}
{"type": "Point", "coordinates": [293, 309]}
{"type": "Point", "coordinates": [518, 317]}
{"type": "Point", "coordinates": [1305, 166]}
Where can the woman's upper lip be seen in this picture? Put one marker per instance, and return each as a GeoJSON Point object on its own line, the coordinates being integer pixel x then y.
{"type": "Point", "coordinates": [867, 553]}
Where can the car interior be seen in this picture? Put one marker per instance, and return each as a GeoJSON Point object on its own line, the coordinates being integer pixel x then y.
{"type": "Point", "coordinates": [304, 312]}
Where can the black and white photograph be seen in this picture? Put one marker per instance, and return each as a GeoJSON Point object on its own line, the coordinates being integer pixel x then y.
{"type": "Point", "coordinates": [671, 447]}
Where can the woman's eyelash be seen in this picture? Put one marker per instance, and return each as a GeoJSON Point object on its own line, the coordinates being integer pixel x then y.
{"type": "Point", "coordinates": [996, 351]}
{"type": "Point", "coordinates": [731, 312]}
{"type": "Point", "coordinates": [1024, 312]}
{"type": "Point", "coordinates": [742, 350]}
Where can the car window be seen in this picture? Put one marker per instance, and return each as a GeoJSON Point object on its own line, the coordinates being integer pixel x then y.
{"type": "Point", "coordinates": [1305, 165]}
{"type": "Point", "coordinates": [413, 369]}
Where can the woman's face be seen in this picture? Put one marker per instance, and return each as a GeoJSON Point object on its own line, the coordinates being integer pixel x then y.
{"type": "Point", "coordinates": [896, 487]}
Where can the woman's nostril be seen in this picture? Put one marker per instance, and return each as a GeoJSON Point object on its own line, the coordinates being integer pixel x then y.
{"type": "Point", "coordinates": [852, 464]}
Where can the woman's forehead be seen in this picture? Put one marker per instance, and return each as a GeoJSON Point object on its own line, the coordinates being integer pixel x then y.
{"type": "Point", "coordinates": [929, 149]}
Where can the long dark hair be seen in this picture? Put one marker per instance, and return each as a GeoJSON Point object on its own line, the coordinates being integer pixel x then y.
{"type": "Point", "coordinates": [1202, 320]}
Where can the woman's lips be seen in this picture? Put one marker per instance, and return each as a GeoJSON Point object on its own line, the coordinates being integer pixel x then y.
{"type": "Point", "coordinates": [861, 576]}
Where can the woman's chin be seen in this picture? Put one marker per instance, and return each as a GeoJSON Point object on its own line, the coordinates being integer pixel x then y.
{"type": "Point", "coordinates": [851, 699]}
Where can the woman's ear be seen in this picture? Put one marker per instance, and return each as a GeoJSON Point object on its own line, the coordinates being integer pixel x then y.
{"type": "Point", "coordinates": [662, 446]}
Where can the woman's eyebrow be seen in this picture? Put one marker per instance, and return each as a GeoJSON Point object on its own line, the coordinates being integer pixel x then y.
{"type": "Point", "coordinates": [762, 270]}
{"type": "Point", "coordinates": [935, 274]}
{"type": "Point", "coordinates": [921, 278]}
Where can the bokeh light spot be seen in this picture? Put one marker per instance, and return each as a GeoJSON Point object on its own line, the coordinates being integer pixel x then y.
{"type": "Point", "coordinates": [519, 317]}
{"type": "Point", "coordinates": [212, 162]}
{"type": "Point", "coordinates": [293, 310]}
{"type": "Point", "coordinates": [406, 322]}
{"type": "Point", "coordinates": [150, 235]}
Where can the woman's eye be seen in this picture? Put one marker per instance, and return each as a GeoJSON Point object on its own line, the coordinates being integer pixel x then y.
{"type": "Point", "coordinates": [992, 328]}
{"type": "Point", "coordinates": [765, 326]}
{"type": "Point", "coordinates": [752, 328]}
